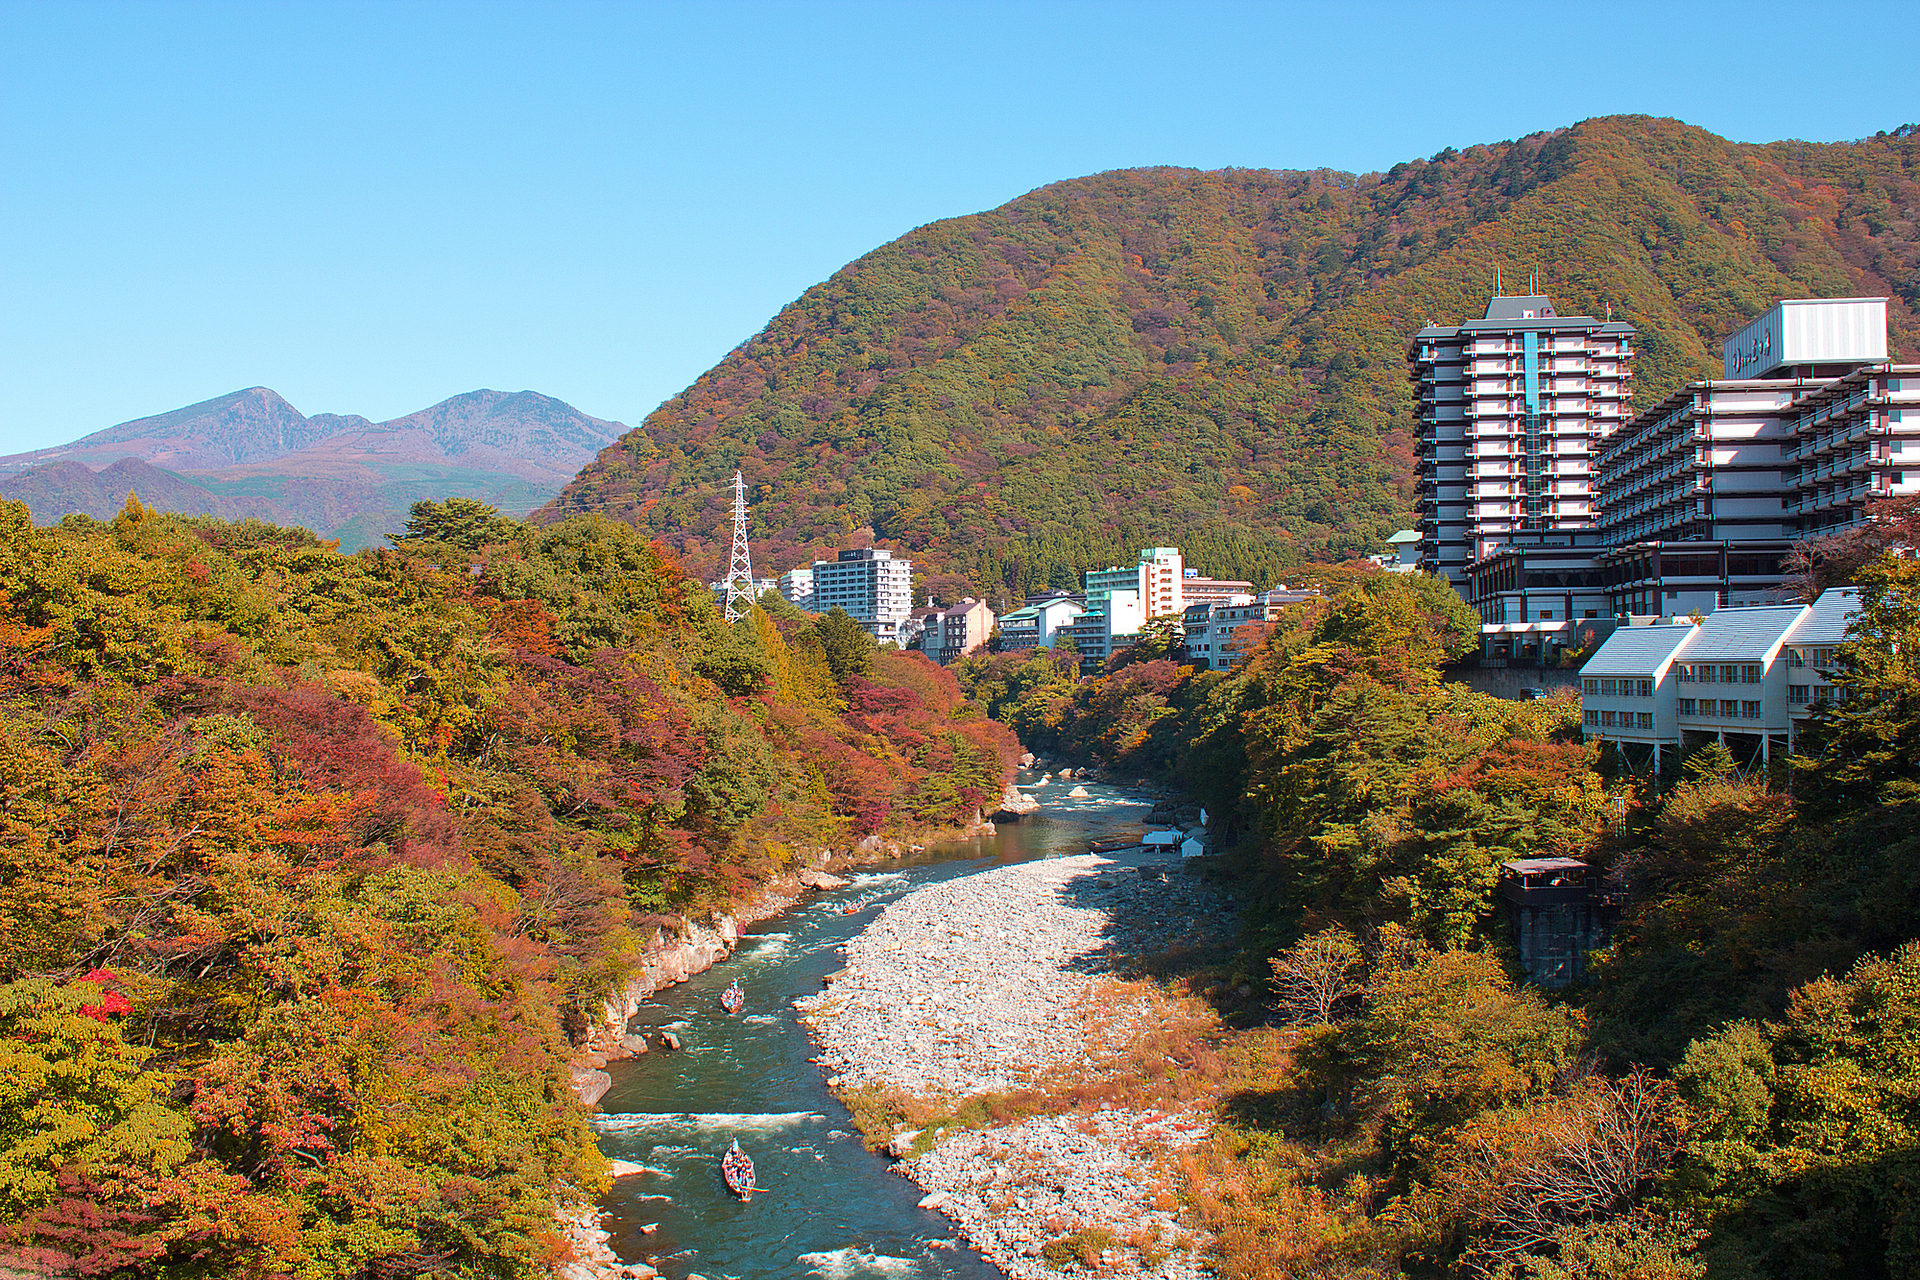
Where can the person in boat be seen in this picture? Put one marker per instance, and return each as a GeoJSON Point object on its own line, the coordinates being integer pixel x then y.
{"type": "Point", "coordinates": [737, 1169]}
{"type": "Point", "coordinates": [733, 998]}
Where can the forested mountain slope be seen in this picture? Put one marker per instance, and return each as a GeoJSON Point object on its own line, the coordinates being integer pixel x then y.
{"type": "Point", "coordinates": [1217, 358]}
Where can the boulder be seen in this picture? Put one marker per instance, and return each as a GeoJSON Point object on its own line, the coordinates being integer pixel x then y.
{"type": "Point", "coordinates": [811, 879]}
{"type": "Point", "coordinates": [1015, 803]}
{"type": "Point", "coordinates": [902, 1145]}
{"type": "Point", "coordinates": [591, 1085]}
{"type": "Point", "coordinates": [868, 844]}
{"type": "Point", "coordinates": [1078, 793]}
{"type": "Point", "coordinates": [624, 1168]}
{"type": "Point", "coordinates": [633, 1044]}
{"type": "Point", "coordinates": [668, 1040]}
{"type": "Point", "coordinates": [933, 1201]}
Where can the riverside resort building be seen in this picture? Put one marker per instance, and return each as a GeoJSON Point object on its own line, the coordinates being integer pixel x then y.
{"type": "Point", "coordinates": [1694, 502]}
{"type": "Point", "coordinates": [1657, 544]}
{"type": "Point", "coordinates": [1512, 408]}
{"type": "Point", "coordinates": [875, 589]}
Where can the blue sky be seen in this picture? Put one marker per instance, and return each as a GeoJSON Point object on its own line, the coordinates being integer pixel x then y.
{"type": "Point", "coordinates": [370, 207]}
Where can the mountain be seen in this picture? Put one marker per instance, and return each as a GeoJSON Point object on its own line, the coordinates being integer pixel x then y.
{"type": "Point", "coordinates": [250, 453]}
{"type": "Point", "coordinates": [243, 426]}
{"type": "Point", "coordinates": [1217, 359]}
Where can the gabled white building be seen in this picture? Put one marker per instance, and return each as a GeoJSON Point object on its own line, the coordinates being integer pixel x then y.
{"type": "Point", "coordinates": [1627, 690]}
{"type": "Point", "coordinates": [1744, 677]}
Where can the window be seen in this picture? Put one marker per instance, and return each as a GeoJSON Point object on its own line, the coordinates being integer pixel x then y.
{"type": "Point", "coordinates": [1591, 719]}
{"type": "Point", "coordinates": [1750, 673]}
{"type": "Point", "coordinates": [1797, 694]}
{"type": "Point", "coordinates": [1646, 719]}
{"type": "Point", "coordinates": [1607, 719]}
{"type": "Point", "coordinates": [1729, 708]}
{"type": "Point", "coordinates": [1749, 711]}
{"type": "Point", "coordinates": [1796, 657]}
{"type": "Point", "coordinates": [1684, 672]}
{"type": "Point", "coordinates": [1645, 688]}
{"type": "Point", "coordinates": [1704, 673]}
{"type": "Point", "coordinates": [1609, 688]}
{"type": "Point", "coordinates": [1590, 687]}
{"type": "Point", "coordinates": [1729, 673]}
{"type": "Point", "coordinates": [1688, 707]}
{"type": "Point", "coordinates": [1546, 615]}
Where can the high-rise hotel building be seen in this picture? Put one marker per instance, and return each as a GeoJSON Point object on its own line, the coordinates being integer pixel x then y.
{"type": "Point", "coordinates": [1512, 408]}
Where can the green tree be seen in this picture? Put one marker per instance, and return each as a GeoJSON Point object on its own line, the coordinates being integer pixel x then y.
{"type": "Point", "coordinates": [1863, 750]}
{"type": "Point", "coordinates": [847, 645]}
{"type": "Point", "coordinates": [466, 523]}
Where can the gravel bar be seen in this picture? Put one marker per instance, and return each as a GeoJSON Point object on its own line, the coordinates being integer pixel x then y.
{"type": "Point", "coordinates": [988, 983]}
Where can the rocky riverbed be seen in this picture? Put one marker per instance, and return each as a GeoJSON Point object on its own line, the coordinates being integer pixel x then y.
{"type": "Point", "coordinates": [1003, 981]}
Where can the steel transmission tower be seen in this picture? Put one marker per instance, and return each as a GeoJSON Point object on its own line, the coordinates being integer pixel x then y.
{"type": "Point", "coordinates": [740, 590]}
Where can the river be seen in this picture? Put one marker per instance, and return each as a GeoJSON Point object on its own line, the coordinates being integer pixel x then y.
{"type": "Point", "coordinates": [829, 1207]}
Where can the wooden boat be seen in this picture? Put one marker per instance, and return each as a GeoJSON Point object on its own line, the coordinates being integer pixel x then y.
{"type": "Point", "coordinates": [737, 1169]}
{"type": "Point", "coordinates": [733, 999]}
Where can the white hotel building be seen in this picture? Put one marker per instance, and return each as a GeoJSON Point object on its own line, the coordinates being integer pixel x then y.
{"type": "Point", "coordinates": [875, 589]}
{"type": "Point", "coordinates": [1512, 408]}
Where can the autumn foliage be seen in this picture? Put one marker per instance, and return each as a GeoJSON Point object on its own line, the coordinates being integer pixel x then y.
{"type": "Point", "coordinates": [309, 857]}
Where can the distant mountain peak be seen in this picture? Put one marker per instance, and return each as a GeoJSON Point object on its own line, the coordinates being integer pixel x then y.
{"type": "Point", "coordinates": [250, 453]}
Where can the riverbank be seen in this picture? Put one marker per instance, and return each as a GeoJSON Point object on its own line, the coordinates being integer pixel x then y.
{"type": "Point", "coordinates": [689, 947]}
{"type": "Point", "coordinates": [990, 1029]}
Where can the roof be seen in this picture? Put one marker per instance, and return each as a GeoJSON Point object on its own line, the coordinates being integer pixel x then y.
{"type": "Point", "coordinates": [1405, 535]}
{"type": "Point", "coordinates": [1743, 634]}
{"type": "Point", "coordinates": [1826, 621]}
{"type": "Point", "coordinates": [1540, 866]}
{"type": "Point", "coordinates": [1024, 612]}
{"type": "Point", "coordinates": [1638, 651]}
{"type": "Point", "coordinates": [1503, 308]}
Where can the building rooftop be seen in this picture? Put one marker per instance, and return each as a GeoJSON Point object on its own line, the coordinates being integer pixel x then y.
{"type": "Point", "coordinates": [1405, 535]}
{"type": "Point", "coordinates": [1638, 651]}
{"type": "Point", "coordinates": [1542, 866]}
{"type": "Point", "coordinates": [1826, 621]}
{"type": "Point", "coordinates": [1531, 308]}
{"type": "Point", "coordinates": [1731, 635]}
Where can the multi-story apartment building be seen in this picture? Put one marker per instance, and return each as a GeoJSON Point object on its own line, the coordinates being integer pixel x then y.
{"type": "Point", "coordinates": [1195, 589]}
{"type": "Point", "coordinates": [1746, 677]}
{"type": "Point", "coordinates": [797, 586]}
{"type": "Point", "coordinates": [1853, 440]}
{"type": "Point", "coordinates": [1109, 624]}
{"type": "Point", "coordinates": [1715, 461]}
{"type": "Point", "coordinates": [1036, 623]}
{"type": "Point", "coordinates": [948, 634]}
{"type": "Point", "coordinates": [1511, 407]}
{"type": "Point", "coordinates": [875, 589]}
{"type": "Point", "coordinates": [1217, 634]}
{"type": "Point", "coordinates": [1701, 496]}
{"type": "Point", "coordinates": [1157, 579]}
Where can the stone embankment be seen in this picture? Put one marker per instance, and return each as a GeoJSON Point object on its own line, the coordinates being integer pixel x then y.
{"type": "Point", "coordinates": [1001, 981]}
